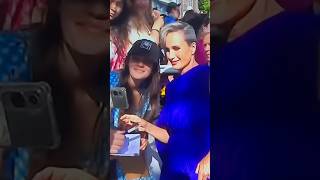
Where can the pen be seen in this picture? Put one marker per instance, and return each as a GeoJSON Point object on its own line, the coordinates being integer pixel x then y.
{"type": "Point", "coordinates": [133, 129]}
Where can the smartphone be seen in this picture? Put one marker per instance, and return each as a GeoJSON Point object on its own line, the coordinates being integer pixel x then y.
{"type": "Point", "coordinates": [119, 97]}
{"type": "Point", "coordinates": [27, 117]}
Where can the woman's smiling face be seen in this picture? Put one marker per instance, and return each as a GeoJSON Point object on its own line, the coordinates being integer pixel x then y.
{"type": "Point", "coordinates": [85, 26]}
{"type": "Point", "coordinates": [140, 68]}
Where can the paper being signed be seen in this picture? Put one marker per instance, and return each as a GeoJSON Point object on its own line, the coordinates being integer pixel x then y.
{"type": "Point", "coordinates": [131, 146]}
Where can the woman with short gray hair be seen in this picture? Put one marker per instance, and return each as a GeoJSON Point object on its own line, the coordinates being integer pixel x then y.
{"type": "Point", "coordinates": [189, 33]}
{"type": "Point", "coordinates": [186, 112]}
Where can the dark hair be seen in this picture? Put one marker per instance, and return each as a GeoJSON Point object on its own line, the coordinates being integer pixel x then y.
{"type": "Point", "coordinates": [189, 15]}
{"type": "Point", "coordinates": [119, 29]}
{"type": "Point", "coordinates": [52, 26]}
{"type": "Point", "coordinates": [151, 85]}
{"type": "Point", "coordinates": [196, 20]}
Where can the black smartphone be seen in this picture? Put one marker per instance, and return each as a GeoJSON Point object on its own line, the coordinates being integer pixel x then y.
{"type": "Point", "coordinates": [27, 117]}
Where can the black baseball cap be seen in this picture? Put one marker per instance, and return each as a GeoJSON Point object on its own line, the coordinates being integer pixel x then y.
{"type": "Point", "coordinates": [171, 6]}
{"type": "Point", "coordinates": [145, 48]}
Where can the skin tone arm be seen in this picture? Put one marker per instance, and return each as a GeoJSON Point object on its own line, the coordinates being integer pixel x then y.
{"type": "Point", "coordinates": [155, 32]}
{"type": "Point", "coordinates": [116, 140]}
{"type": "Point", "coordinates": [145, 126]}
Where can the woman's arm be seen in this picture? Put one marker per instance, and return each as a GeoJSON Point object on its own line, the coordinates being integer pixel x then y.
{"type": "Point", "coordinates": [159, 133]}
{"type": "Point", "coordinates": [203, 168]}
{"type": "Point", "coordinates": [155, 31]}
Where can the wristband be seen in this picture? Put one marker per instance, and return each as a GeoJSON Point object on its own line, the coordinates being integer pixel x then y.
{"type": "Point", "coordinates": [156, 30]}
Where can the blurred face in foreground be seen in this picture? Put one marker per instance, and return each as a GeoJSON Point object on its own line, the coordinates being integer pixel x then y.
{"type": "Point", "coordinates": [229, 11]}
{"type": "Point", "coordinates": [84, 26]}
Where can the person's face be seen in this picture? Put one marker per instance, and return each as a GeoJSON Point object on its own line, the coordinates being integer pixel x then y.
{"type": "Point", "coordinates": [206, 44]}
{"type": "Point", "coordinates": [116, 7]}
{"type": "Point", "coordinates": [84, 26]}
{"type": "Point", "coordinates": [226, 11]}
{"type": "Point", "coordinates": [176, 12]}
{"type": "Point", "coordinates": [139, 67]}
{"type": "Point", "coordinates": [178, 51]}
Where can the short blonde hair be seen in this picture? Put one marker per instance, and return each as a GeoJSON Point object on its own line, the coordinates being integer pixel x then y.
{"type": "Point", "coordinates": [189, 33]}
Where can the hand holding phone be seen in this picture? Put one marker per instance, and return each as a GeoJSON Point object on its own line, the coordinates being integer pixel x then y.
{"type": "Point", "coordinates": [119, 98]}
{"type": "Point", "coordinates": [27, 116]}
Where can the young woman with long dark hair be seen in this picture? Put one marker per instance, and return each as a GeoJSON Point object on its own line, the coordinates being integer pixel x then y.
{"type": "Point", "coordinates": [119, 33]}
{"type": "Point", "coordinates": [140, 77]}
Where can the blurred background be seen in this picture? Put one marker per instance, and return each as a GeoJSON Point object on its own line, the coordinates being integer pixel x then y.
{"type": "Point", "coordinates": [202, 6]}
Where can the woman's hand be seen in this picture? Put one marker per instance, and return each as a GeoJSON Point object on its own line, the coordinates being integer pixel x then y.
{"type": "Point", "coordinates": [116, 140]}
{"type": "Point", "coordinates": [203, 168]}
{"type": "Point", "coordinates": [155, 14]}
{"type": "Point", "coordinates": [131, 119]}
{"type": "Point", "coordinates": [158, 23]}
{"type": "Point", "coordinates": [54, 173]}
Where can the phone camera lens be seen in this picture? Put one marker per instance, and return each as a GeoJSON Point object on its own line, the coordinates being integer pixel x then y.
{"type": "Point", "coordinates": [17, 99]}
{"type": "Point", "coordinates": [33, 99]}
{"type": "Point", "coordinates": [115, 93]}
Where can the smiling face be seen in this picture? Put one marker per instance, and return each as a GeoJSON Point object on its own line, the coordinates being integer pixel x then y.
{"type": "Point", "coordinates": [178, 51]}
{"type": "Point", "coordinates": [84, 26]}
{"type": "Point", "coordinates": [140, 68]}
{"type": "Point", "coordinates": [116, 7]}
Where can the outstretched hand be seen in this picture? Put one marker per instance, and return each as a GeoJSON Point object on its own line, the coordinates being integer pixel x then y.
{"type": "Point", "coordinates": [133, 119]}
{"type": "Point", "coordinates": [116, 140]}
{"type": "Point", "coordinates": [203, 168]}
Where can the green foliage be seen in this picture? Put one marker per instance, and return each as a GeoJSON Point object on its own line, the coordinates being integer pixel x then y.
{"type": "Point", "coordinates": [204, 6]}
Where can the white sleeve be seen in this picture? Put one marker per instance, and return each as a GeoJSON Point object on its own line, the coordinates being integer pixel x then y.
{"type": "Point", "coordinates": [113, 50]}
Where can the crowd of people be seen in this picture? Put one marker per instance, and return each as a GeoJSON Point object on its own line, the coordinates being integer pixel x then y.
{"type": "Point", "coordinates": [175, 135]}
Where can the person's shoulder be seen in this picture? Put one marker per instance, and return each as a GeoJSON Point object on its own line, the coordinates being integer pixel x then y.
{"type": "Point", "coordinates": [114, 78]}
{"type": "Point", "coordinates": [202, 67]}
{"type": "Point", "coordinates": [8, 39]}
{"type": "Point", "coordinates": [114, 74]}
{"type": "Point", "coordinates": [13, 56]}
{"type": "Point", "coordinates": [199, 70]}
{"type": "Point", "coordinates": [15, 40]}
